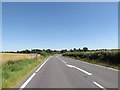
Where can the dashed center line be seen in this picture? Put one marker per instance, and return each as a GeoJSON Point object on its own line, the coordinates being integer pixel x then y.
{"type": "Point", "coordinates": [99, 85]}
{"type": "Point", "coordinates": [79, 69]}
{"type": "Point", "coordinates": [71, 66]}
{"type": "Point", "coordinates": [75, 67]}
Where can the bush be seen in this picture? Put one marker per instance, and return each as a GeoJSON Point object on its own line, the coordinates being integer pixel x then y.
{"type": "Point", "coordinates": [43, 53]}
{"type": "Point", "coordinates": [110, 57]}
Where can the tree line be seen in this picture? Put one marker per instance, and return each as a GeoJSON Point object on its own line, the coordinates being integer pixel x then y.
{"type": "Point", "coordinates": [50, 51]}
{"type": "Point", "coordinates": [47, 50]}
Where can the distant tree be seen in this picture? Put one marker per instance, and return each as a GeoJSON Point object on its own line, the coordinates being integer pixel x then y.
{"type": "Point", "coordinates": [43, 50]}
{"type": "Point", "coordinates": [85, 49]}
{"type": "Point", "coordinates": [27, 51]}
{"type": "Point", "coordinates": [79, 50]}
{"type": "Point", "coordinates": [63, 51]}
{"type": "Point", "coordinates": [36, 51]}
{"type": "Point", "coordinates": [105, 49]}
{"type": "Point", "coordinates": [48, 50]}
{"type": "Point", "coordinates": [71, 50]}
{"type": "Point", "coordinates": [55, 51]}
{"type": "Point", "coordinates": [43, 53]}
{"type": "Point", "coordinates": [24, 51]}
{"type": "Point", "coordinates": [18, 52]}
{"type": "Point", "coordinates": [74, 49]}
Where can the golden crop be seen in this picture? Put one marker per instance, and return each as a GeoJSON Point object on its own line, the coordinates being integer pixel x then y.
{"type": "Point", "coordinates": [5, 57]}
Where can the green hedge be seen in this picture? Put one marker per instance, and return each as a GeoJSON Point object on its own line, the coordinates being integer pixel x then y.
{"type": "Point", "coordinates": [111, 57]}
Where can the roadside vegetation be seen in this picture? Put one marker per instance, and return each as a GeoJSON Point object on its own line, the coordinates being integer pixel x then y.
{"type": "Point", "coordinates": [17, 66]}
{"type": "Point", "coordinates": [108, 58]}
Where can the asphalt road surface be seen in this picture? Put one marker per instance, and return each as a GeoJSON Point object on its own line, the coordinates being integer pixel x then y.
{"type": "Point", "coordinates": [61, 72]}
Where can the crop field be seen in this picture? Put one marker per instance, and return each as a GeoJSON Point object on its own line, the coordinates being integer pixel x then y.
{"type": "Point", "coordinates": [5, 57]}
{"type": "Point", "coordinates": [16, 67]}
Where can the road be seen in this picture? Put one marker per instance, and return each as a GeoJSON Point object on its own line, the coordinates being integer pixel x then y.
{"type": "Point", "coordinates": [61, 72]}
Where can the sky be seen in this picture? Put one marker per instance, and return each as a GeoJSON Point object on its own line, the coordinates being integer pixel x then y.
{"type": "Point", "coordinates": [60, 25]}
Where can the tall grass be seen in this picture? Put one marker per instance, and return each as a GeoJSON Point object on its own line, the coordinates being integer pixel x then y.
{"type": "Point", "coordinates": [13, 72]}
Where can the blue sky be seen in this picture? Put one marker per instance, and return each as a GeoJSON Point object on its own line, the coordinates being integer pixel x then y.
{"type": "Point", "coordinates": [59, 25]}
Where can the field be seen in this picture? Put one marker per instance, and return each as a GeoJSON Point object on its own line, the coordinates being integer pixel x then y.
{"type": "Point", "coordinates": [105, 58]}
{"type": "Point", "coordinates": [16, 67]}
{"type": "Point", "coordinates": [5, 57]}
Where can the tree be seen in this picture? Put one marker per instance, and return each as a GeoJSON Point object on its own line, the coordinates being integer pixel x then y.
{"type": "Point", "coordinates": [70, 50]}
{"type": "Point", "coordinates": [63, 51]}
{"type": "Point", "coordinates": [75, 49]}
{"type": "Point", "coordinates": [48, 50]}
{"type": "Point", "coordinates": [18, 52]}
{"type": "Point", "coordinates": [36, 51]}
{"type": "Point", "coordinates": [24, 51]}
{"type": "Point", "coordinates": [27, 51]}
{"type": "Point", "coordinates": [85, 49]}
{"type": "Point", "coordinates": [43, 53]}
{"type": "Point", "coordinates": [79, 50]}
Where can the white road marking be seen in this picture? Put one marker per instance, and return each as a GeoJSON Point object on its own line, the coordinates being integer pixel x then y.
{"type": "Point", "coordinates": [70, 66]}
{"type": "Point", "coordinates": [42, 65]}
{"type": "Point", "coordinates": [99, 85]}
{"type": "Point", "coordinates": [98, 65]}
{"type": "Point", "coordinates": [23, 86]}
{"type": "Point", "coordinates": [106, 67]}
{"type": "Point", "coordinates": [58, 58]}
{"type": "Point", "coordinates": [79, 69]}
{"type": "Point", "coordinates": [62, 60]}
{"type": "Point", "coordinates": [75, 67]}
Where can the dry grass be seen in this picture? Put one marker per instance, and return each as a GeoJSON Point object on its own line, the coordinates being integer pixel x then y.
{"type": "Point", "coordinates": [14, 56]}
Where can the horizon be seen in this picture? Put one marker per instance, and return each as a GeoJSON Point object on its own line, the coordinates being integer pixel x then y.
{"type": "Point", "coordinates": [59, 25]}
{"type": "Point", "coordinates": [55, 49]}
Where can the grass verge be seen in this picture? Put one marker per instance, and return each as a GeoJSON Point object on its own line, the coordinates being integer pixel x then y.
{"type": "Point", "coordinates": [13, 72]}
{"type": "Point", "coordinates": [105, 64]}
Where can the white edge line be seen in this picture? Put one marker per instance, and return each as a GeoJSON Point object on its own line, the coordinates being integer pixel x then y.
{"type": "Point", "coordinates": [28, 80]}
{"type": "Point", "coordinates": [75, 67]}
{"type": "Point", "coordinates": [96, 65]}
{"type": "Point", "coordinates": [42, 65]}
{"type": "Point", "coordinates": [24, 85]}
{"type": "Point", "coordinates": [99, 85]}
{"type": "Point", "coordinates": [101, 66]}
